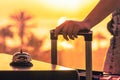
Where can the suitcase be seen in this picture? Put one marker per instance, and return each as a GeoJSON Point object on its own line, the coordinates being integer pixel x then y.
{"type": "Point", "coordinates": [88, 50]}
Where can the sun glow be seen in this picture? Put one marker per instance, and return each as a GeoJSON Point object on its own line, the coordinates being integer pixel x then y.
{"type": "Point", "coordinates": [61, 20]}
{"type": "Point", "coordinates": [66, 45]}
{"type": "Point", "coordinates": [62, 4]}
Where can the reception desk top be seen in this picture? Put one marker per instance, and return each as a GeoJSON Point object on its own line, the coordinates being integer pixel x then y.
{"type": "Point", "coordinates": [6, 59]}
{"type": "Point", "coordinates": [39, 71]}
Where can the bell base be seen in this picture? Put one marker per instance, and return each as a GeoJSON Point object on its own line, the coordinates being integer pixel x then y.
{"type": "Point", "coordinates": [21, 64]}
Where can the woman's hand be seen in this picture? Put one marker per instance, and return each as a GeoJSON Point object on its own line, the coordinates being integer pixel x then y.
{"type": "Point", "coordinates": [70, 28]}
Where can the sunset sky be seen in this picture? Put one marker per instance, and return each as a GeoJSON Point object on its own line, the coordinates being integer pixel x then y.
{"type": "Point", "coordinates": [48, 8]}
{"type": "Point", "coordinates": [46, 13]}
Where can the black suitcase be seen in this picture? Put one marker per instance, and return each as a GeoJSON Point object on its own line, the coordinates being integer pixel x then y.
{"type": "Point", "coordinates": [88, 48]}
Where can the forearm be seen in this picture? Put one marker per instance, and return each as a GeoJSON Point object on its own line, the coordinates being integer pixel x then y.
{"type": "Point", "coordinates": [101, 11]}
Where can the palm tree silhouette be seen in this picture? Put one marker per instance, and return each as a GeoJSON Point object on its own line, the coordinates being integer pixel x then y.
{"type": "Point", "coordinates": [5, 32]}
{"type": "Point", "coordinates": [21, 19]}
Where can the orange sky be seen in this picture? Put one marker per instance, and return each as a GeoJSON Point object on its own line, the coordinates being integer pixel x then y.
{"type": "Point", "coordinates": [48, 11]}
{"type": "Point", "coordinates": [46, 8]}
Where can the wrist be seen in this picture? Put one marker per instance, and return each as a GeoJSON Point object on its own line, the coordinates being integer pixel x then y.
{"type": "Point", "coordinates": [87, 25]}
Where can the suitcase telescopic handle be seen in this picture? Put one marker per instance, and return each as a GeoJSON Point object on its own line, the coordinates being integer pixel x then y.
{"type": "Point", "coordinates": [87, 35]}
{"type": "Point", "coordinates": [88, 48]}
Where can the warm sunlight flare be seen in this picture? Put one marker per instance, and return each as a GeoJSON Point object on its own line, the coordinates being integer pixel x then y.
{"type": "Point", "coordinates": [63, 68]}
{"type": "Point", "coordinates": [95, 45]}
{"type": "Point", "coordinates": [104, 43]}
{"type": "Point", "coordinates": [63, 4]}
{"type": "Point", "coordinates": [65, 45]}
{"type": "Point", "coordinates": [61, 20]}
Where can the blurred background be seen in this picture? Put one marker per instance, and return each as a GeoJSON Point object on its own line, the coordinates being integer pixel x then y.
{"type": "Point", "coordinates": [25, 24]}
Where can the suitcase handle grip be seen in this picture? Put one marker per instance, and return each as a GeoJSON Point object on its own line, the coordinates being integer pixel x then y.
{"type": "Point", "coordinates": [86, 33]}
